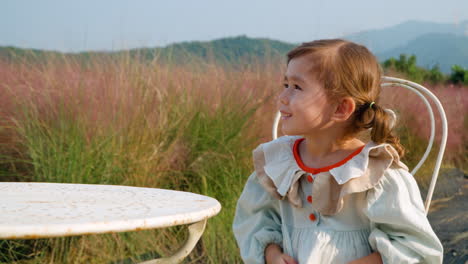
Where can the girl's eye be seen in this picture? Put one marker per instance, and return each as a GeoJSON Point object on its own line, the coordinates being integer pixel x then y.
{"type": "Point", "coordinates": [295, 86]}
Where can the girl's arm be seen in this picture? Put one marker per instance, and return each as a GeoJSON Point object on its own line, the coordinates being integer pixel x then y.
{"type": "Point", "coordinates": [257, 222]}
{"type": "Point", "coordinates": [373, 258]}
{"type": "Point", "coordinates": [400, 230]}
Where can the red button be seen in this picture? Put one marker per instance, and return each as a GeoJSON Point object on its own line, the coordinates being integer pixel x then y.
{"type": "Point", "coordinates": [309, 178]}
{"type": "Point", "coordinates": [309, 199]}
{"type": "Point", "coordinates": [312, 217]}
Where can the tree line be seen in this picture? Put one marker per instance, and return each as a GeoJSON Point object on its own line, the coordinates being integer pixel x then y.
{"type": "Point", "coordinates": [407, 66]}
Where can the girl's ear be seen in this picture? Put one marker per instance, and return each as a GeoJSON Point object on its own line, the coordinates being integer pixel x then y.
{"type": "Point", "coordinates": [344, 109]}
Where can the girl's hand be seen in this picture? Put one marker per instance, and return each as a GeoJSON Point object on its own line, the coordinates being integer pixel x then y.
{"type": "Point", "coordinates": [373, 258]}
{"type": "Point", "coordinates": [274, 255]}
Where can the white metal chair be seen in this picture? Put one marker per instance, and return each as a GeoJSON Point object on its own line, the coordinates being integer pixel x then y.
{"type": "Point", "coordinates": [422, 92]}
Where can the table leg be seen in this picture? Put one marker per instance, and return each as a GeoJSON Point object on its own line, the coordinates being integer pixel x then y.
{"type": "Point", "coordinates": [195, 232]}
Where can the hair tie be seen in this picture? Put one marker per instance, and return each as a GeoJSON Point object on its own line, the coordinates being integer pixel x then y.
{"type": "Point", "coordinates": [371, 104]}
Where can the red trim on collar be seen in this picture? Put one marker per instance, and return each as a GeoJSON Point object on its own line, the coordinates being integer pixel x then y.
{"type": "Point", "coordinates": [301, 164]}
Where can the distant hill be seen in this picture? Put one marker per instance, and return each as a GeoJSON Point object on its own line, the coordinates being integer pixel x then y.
{"type": "Point", "coordinates": [13, 53]}
{"type": "Point", "coordinates": [434, 48]}
{"type": "Point", "coordinates": [229, 51]}
{"type": "Point", "coordinates": [432, 43]}
{"type": "Point", "coordinates": [225, 51]}
{"type": "Point", "coordinates": [382, 40]}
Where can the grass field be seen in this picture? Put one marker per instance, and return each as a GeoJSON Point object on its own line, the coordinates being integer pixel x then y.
{"type": "Point", "coordinates": [191, 128]}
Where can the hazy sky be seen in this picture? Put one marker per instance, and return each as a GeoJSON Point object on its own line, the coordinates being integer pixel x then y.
{"type": "Point", "coordinates": [117, 24]}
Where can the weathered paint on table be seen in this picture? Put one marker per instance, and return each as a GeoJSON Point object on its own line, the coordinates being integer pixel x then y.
{"type": "Point", "coordinates": [38, 210]}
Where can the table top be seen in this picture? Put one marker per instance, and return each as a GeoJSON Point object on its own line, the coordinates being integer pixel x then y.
{"type": "Point", "coordinates": [37, 210]}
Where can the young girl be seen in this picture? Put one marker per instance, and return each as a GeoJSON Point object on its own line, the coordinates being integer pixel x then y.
{"type": "Point", "coordinates": [326, 196]}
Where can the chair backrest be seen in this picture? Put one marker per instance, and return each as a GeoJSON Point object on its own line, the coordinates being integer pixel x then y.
{"type": "Point", "coordinates": [423, 93]}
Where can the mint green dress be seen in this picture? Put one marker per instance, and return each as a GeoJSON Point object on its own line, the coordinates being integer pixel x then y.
{"type": "Point", "coordinates": [369, 203]}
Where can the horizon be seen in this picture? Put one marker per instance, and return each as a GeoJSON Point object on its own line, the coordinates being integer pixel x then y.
{"type": "Point", "coordinates": [219, 38]}
{"type": "Point", "coordinates": [120, 25]}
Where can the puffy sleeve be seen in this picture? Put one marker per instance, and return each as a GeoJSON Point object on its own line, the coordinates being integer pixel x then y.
{"type": "Point", "coordinates": [257, 222]}
{"type": "Point", "coordinates": [400, 230]}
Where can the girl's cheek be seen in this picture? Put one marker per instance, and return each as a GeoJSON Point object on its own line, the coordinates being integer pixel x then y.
{"type": "Point", "coordinates": [295, 101]}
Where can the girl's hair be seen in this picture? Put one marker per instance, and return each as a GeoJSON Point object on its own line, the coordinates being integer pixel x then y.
{"type": "Point", "coordinates": [344, 69]}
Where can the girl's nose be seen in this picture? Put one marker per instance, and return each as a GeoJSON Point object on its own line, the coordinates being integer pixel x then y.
{"type": "Point", "coordinates": [283, 98]}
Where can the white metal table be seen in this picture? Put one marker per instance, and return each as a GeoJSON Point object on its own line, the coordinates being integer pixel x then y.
{"type": "Point", "coordinates": [40, 210]}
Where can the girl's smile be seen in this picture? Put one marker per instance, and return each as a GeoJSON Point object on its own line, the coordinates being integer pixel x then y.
{"type": "Point", "coordinates": [285, 115]}
{"type": "Point", "coordinates": [303, 103]}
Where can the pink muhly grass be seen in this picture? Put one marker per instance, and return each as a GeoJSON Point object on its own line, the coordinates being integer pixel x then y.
{"type": "Point", "coordinates": [111, 94]}
{"type": "Point", "coordinates": [413, 113]}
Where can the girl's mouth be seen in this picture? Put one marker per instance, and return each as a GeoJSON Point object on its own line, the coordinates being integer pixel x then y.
{"type": "Point", "coordinates": [285, 115]}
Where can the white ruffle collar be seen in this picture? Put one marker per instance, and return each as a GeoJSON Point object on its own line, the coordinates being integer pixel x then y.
{"type": "Point", "coordinates": [279, 172]}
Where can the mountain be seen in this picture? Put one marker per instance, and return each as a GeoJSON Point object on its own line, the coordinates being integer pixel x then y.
{"type": "Point", "coordinates": [236, 51]}
{"type": "Point", "coordinates": [13, 53]}
{"type": "Point", "coordinates": [434, 48]}
{"type": "Point", "coordinates": [225, 51]}
{"type": "Point", "coordinates": [432, 43]}
{"type": "Point", "coordinates": [382, 40]}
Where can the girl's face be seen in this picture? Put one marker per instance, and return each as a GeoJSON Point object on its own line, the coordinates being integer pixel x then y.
{"type": "Point", "coordinates": [304, 107]}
